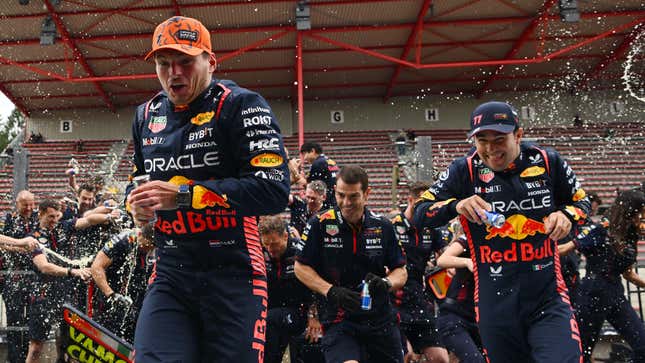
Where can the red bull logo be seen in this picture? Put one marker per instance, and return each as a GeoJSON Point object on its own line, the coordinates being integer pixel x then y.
{"type": "Point", "coordinates": [517, 227]}
{"type": "Point", "coordinates": [330, 214]}
{"type": "Point", "coordinates": [192, 222]}
{"type": "Point", "coordinates": [527, 252]}
{"type": "Point", "coordinates": [203, 197]}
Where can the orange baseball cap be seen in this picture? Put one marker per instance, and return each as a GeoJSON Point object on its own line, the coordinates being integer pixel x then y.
{"type": "Point", "coordinates": [184, 34]}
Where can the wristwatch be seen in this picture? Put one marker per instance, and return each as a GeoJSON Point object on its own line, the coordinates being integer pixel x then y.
{"type": "Point", "coordinates": [183, 196]}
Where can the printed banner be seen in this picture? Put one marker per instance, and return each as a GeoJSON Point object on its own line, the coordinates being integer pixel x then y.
{"type": "Point", "coordinates": [83, 340]}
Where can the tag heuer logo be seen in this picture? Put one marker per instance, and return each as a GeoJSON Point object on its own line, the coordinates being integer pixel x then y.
{"type": "Point", "coordinates": [486, 175]}
{"type": "Point", "coordinates": [157, 123]}
{"type": "Point", "coordinates": [331, 230]}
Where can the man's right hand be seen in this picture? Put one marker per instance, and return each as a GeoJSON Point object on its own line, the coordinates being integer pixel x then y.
{"type": "Point", "coordinates": [472, 207]}
{"type": "Point", "coordinates": [345, 298]}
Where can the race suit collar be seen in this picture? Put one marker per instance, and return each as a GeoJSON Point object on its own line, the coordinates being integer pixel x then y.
{"type": "Point", "coordinates": [198, 102]}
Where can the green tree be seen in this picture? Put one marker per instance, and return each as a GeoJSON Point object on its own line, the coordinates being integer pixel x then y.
{"type": "Point", "coordinates": [11, 127]}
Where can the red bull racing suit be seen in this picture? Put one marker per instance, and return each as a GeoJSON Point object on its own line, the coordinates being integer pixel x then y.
{"type": "Point", "coordinates": [522, 304]}
{"type": "Point", "coordinates": [343, 256]}
{"type": "Point", "coordinates": [208, 297]}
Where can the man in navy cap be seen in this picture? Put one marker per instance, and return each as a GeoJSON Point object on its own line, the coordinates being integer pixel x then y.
{"type": "Point", "coordinates": [522, 304]}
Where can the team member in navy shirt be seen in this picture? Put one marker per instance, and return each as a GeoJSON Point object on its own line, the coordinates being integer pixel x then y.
{"type": "Point", "coordinates": [19, 278]}
{"type": "Point", "coordinates": [456, 321]}
{"type": "Point", "coordinates": [216, 161]}
{"type": "Point", "coordinates": [516, 265]}
{"type": "Point", "coordinates": [289, 299]}
{"type": "Point", "coordinates": [47, 298]}
{"type": "Point", "coordinates": [302, 210]}
{"type": "Point", "coordinates": [415, 311]}
{"type": "Point", "coordinates": [322, 168]}
{"type": "Point", "coordinates": [121, 270]}
{"type": "Point", "coordinates": [340, 248]}
{"type": "Point", "coordinates": [610, 249]}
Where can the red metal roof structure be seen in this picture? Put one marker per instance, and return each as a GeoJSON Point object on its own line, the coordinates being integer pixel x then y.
{"type": "Point", "coordinates": [353, 49]}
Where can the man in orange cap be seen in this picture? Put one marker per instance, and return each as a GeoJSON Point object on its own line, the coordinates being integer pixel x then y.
{"type": "Point", "coordinates": [216, 160]}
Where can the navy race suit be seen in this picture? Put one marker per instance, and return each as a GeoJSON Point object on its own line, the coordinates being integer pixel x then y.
{"type": "Point", "coordinates": [343, 256]}
{"type": "Point", "coordinates": [299, 214]}
{"type": "Point", "coordinates": [288, 303]}
{"type": "Point", "coordinates": [517, 271]}
{"type": "Point", "coordinates": [416, 313]}
{"type": "Point", "coordinates": [19, 278]}
{"type": "Point", "coordinates": [325, 169]}
{"type": "Point", "coordinates": [50, 291]}
{"type": "Point", "coordinates": [127, 275]}
{"type": "Point", "coordinates": [226, 145]}
{"type": "Point", "coordinates": [456, 321]}
{"type": "Point", "coordinates": [601, 294]}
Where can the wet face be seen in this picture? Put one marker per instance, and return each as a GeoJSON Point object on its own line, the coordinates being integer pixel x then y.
{"type": "Point", "coordinates": [314, 200]}
{"type": "Point", "coordinates": [25, 205]}
{"type": "Point", "coordinates": [49, 218]}
{"type": "Point", "coordinates": [182, 76]}
{"type": "Point", "coordinates": [275, 243]}
{"type": "Point", "coordinates": [497, 150]}
{"type": "Point", "coordinates": [85, 200]}
{"type": "Point", "coordinates": [351, 200]}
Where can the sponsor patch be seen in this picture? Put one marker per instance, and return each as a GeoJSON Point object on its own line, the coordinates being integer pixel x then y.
{"type": "Point", "coordinates": [401, 229]}
{"type": "Point", "coordinates": [272, 144]}
{"type": "Point", "coordinates": [203, 197]}
{"type": "Point", "coordinates": [187, 35]}
{"type": "Point", "coordinates": [536, 159]}
{"type": "Point", "coordinates": [500, 116]}
{"type": "Point", "coordinates": [495, 272]}
{"type": "Point", "coordinates": [332, 229]}
{"type": "Point", "coordinates": [202, 118]}
{"type": "Point", "coordinates": [580, 194]}
{"type": "Point", "coordinates": [157, 123]}
{"type": "Point", "coordinates": [267, 160]}
{"type": "Point", "coordinates": [532, 171]}
{"type": "Point", "coordinates": [156, 140]}
{"type": "Point", "coordinates": [271, 174]}
{"type": "Point", "coordinates": [330, 214]}
{"type": "Point", "coordinates": [427, 195]}
{"type": "Point", "coordinates": [486, 175]}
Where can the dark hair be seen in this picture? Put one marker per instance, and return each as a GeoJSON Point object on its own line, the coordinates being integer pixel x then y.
{"type": "Point", "coordinates": [593, 197]}
{"type": "Point", "coordinates": [417, 188]}
{"type": "Point", "coordinates": [309, 146]}
{"type": "Point", "coordinates": [353, 174]}
{"type": "Point", "coordinates": [48, 203]}
{"type": "Point", "coordinates": [274, 223]}
{"type": "Point", "coordinates": [627, 205]}
{"type": "Point", "coordinates": [85, 186]}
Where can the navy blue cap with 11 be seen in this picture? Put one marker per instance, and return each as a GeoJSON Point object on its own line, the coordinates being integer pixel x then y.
{"type": "Point", "coordinates": [495, 116]}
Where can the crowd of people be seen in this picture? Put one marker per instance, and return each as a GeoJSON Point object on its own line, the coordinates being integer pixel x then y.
{"type": "Point", "coordinates": [196, 262]}
{"type": "Point", "coordinates": [54, 250]}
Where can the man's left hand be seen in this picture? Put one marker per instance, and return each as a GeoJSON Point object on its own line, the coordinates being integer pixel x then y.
{"type": "Point", "coordinates": [557, 225]}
